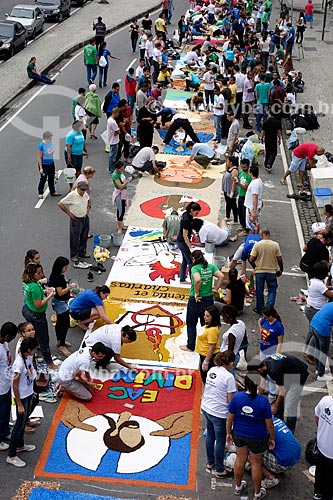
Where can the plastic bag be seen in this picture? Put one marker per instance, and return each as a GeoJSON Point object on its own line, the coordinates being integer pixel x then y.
{"type": "Point", "coordinates": [242, 363]}
{"type": "Point", "coordinates": [312, 452]}
{"type": "Point", "coordinates": [247, 151]}
{"type": "Point", "coordinates": [292, 142]}
{"type": "Point", "coordinates": [322, 162]}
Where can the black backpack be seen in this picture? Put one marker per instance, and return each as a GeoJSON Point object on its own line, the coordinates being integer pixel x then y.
{"type": "Point", "coordinates": [306, 118]}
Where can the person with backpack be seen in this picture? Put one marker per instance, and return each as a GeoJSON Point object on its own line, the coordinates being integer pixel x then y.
{"type": "Point", "coordinates": [299, 157]}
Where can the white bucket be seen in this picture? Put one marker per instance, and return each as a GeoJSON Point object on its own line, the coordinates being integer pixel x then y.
{"type": "Point", "coordinates": [209, 246]}
{"type": "Point", "coordinates": [105, 240]}
{"type": "Point", "coordinates": [219, 261]}
{"type": "Point", "coordinates": [117, 239]}
{"type": "Point", "coordinates": [70, 175]}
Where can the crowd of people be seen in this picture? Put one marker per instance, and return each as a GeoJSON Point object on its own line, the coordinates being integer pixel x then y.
{"type": "Point", "coordinates": [246, 74]}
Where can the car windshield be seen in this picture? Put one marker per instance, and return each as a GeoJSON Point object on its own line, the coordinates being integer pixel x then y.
{"type": "Point", "coordinates": [22, 13]}
{"type": "Point", "coordinates": [6, 30]}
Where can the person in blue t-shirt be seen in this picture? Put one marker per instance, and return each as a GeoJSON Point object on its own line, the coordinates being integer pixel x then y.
{"type": "Point", "coordinates": [320, 329]}
{"type": "Point", "coordinates": [250, 427]}
{"type": "Point", "coordinates": [283, 457]}
{"type": "Point", "coordinates": [75, 147]}
{"type": "Point", "coordinates": [88, 306]}
{"type": "Point", "coordinates": [46, 164]}
{"type": "Point", "coordinates": [103, 68]}
{"type": "Point", "coordinates": [244, 250]}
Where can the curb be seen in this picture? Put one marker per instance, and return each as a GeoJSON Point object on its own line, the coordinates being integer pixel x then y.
{"type": "Point", "coordinates": [69, 51]}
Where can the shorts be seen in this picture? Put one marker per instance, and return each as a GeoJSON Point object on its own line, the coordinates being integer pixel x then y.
{"type": "Point", "coordinates": [270, 462]}
{"type": "Point", "coordinates": [252, 222]}
{"type": "Point", "coordinates": [255, 446]}
{"type": "Point", "coordinates": [81, 315]}
{"type": "Point", "coordinates": [308, 18]}
{"type": "Point", "coordinates": [297, 163]}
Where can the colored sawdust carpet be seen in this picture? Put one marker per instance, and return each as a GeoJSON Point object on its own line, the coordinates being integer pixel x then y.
{"type": "Point", "coordinates": [202, 136]}
{"type": "Point", "coordinates": [141, 428]}
{"type": "Point", "coordinates": [44, 494]}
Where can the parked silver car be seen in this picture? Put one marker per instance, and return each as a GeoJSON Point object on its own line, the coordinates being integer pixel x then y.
{"type": "Point", "coordinates": [31, 16]}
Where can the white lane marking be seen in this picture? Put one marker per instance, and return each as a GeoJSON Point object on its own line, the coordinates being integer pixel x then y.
{"type": "Point", "coordinates": [130, 64]}
{"type": "Point", "coordinates": [276, 201]}
{"type": "Point", "coordinates": [46, 193]}
{"type": "Point", "coordinates": [307, 388]}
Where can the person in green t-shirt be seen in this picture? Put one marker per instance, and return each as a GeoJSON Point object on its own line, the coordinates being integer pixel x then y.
{"type": "Point", "coordinates": [36, 302]}
{"type": "Point", "coordinates": [90, 61]}
{"type": "Point", "coordinates": [34, 75]}
{"type": "Point", "coordinates": [262, 90]}
{"type": "Point", "coordinates": [244, 179]}
{"type": "Point", "coordinates": [201, 295]}
{"type": "Point", "coordinates": [265, 20]}
{"type": "Point", "coordinates": [120, 195]}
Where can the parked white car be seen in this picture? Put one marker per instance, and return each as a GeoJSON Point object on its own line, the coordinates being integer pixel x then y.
{"type": "Point", "coordinates": [30, 16]}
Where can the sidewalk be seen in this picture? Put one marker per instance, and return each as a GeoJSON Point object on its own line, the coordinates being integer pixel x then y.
{"type": "Point", "coordinates": [59, 42]}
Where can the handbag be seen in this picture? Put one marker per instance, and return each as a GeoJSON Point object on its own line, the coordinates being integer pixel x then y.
{"type": "Point", "coordinates": [312, 453]}
{"type": "Point", "coordinates": [102, 62]}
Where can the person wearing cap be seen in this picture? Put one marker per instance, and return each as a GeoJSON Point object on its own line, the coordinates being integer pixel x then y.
{"type": "Point", "coordinates": [46, 164]}
{"type": "Point", "coordinates": [100, 31]}
{"type": "Point", "coordinates": [299, 157]}
{"type": "Point", "coordinates": [77, 205]}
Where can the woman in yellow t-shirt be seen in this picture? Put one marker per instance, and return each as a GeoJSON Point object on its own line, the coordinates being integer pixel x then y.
{"type": "Point", "coordinates": [207, 344]}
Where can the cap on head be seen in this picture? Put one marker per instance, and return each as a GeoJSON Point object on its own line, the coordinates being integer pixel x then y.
{"type": "Point", "coordinates": [83, 185]}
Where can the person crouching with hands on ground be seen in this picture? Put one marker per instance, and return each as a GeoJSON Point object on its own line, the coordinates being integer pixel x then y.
{"type": "Point", "coordinates": [22, 389]}
{"type": "Point", "coordinates": [74, 376]}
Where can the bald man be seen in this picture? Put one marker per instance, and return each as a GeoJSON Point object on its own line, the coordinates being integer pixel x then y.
{"type": "Point", "coordinates": [299, 157]}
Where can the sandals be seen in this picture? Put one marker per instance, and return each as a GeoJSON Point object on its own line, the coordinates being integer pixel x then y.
{"type": "Point", "coordinates": [226, 474]}
{"type": "Point", "coordinates": [210, 468]}
{"type": "Point", "coordinates": [47, 397]}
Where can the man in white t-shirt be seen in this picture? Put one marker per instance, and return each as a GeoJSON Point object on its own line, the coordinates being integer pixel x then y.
{"type": "Point", "coordinates": [233, 131]}
{"type": "Point", "coordinates": [192, 57]}
{"type": "Point", "coordinates": [139, 69]}
{"type": "Point", "coordinates": [156, 61]}
{"type": "Point", "coordinates": [113, 132]}
{"type": "Point", "coordinates": [240, 79]}
{"type": "Point", "coordinates": [209, 84]}
{"type": "Point", "coordinates": [113, 337]}
{"type": "Point", "coordinates": [145, 161]}
{"type": "Point", "coordinates": [207, 231]}
{"type": "Point", "coordinates": [74, 376]}
{"type": "Point", "coordinates": [218, 110]}
{"type": "Point", "coordinates": [323, 488]}
{"type": "Point", "coordinates": [253, 200]}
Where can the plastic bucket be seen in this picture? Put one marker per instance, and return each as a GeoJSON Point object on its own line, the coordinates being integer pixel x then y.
{"type": "Point", "coordinates": [117, 239]}
{"type": "Point", "coordinates": [105, 240]}
{"type": "Point", "coordinates": [219, 261]}
{"type": "Point", "coordinates": [209, 246]}
{"type": "Point", "coordinates": [70, 175]}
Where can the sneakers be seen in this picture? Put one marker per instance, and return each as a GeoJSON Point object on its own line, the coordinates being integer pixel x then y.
{"type": "Point", "coordinates": [325, 378]}
{"type": "Point", "coordinates": [261, 495]}
{"type": "Point", "coordinates": [316, 496]}
{"type": "Point", "coordinates": [81, 265]}
{"type": "Point", "coordinates": [3, 446]}
{"type": "Point", "coordinates": [269, 483]}
{"type": "Point", "coordinates": [16, 461]}
{"type": "Point", "coordinates": [26, 447]}
{"type": "Point", "coordinates": [242, 488]}
{"type": "Point", "coordinates": [90, 276]}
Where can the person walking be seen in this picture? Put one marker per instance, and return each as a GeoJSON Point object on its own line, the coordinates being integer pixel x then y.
{"type": "Point", "coordinates": [103, 63]}
{"type": "Point", "coordinates": [290, 375]}
{"type": "Point", "coordinates": [219, 389]}
{"type": "Point", "coordinates": [22, 390]}
{"type": "Point", "coordinates": [100, 32]}
{"type": "Point", "coordinates": [77, 205]}
{"type": "Point", "coordinates": [46, 164]}
{"type": "Point", "coordinates": [35, 306]}
{"type": "Point", "coordinates": [93, 108]}
{"type": "Point", "coordinates": [8, 332]}
{"type": "Point", "coordinates": [323, 487]}
{"type": "Point", "coordinates": [262, 96]}
{"type": "Point", "coordinates": [271, 135]}
{"type": "Point", "coordinates": [266, 259]}
{"type": "Point", "coordinates": [184, 239]}
{"type": "Point", "coordinates": [90, 61]}
{"type": "Point", "coordinates": [134, 34]}
{"type": "Point", "coordinates": [253, 200]}
{"type": "Point", "coordinates": [113, 131]}
{"type": "Point", "coordinates": [250, 427]}
{"type": "Point", "coordinates": [201, 295]}
{"type": "Point", "coordinates": [309, 10]}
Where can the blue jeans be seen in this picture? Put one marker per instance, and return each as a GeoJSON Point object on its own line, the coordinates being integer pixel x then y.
{"type": "Point", "coordinates": [195, 310]}
{"type": "Point", "coordinates": [17, 436]}
{"type": "Point", "coordinates": [261, 114]}
{"type": "Point", "coordinates": [103, 75]}
{"type": "Point", "coordinates": [43, 78]}
{"type": "Point", "coordinates": [215, 440]}
{"type": "Point", "coordinates": [271, 280]}
{"type": "Point", "coordinates": [91, 72]}
{"type": "Point", "coordinates": [41, 329]}
{"type": "Point", "coordinates": [5, 403]}
{"type": "Point", "coordinates": [131, 101]}
{"type": "Point", "coordinates": [218, 127]}
{"type": "Point", "coordinates": [322, 345]}
{"type": "Point", "coordinates": [186, 261]}
{"type": "Point", "coordinates": [112, 156]}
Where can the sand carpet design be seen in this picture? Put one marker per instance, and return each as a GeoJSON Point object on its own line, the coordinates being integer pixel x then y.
{"type": "Point", "coordinates": [141, 428]}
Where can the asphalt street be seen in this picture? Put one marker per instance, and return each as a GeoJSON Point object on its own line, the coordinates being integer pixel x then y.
{"type": "Point", "coordinates": [46, 228]}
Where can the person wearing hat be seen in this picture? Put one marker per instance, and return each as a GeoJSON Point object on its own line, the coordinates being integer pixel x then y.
{"type": "Point", "coordinates": [77, 205]}
{"type": "Point", "coordinates": [100, 31]}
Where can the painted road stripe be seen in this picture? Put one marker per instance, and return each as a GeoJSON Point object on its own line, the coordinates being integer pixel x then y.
{"type": "Point", "coordinates": [130, 64]}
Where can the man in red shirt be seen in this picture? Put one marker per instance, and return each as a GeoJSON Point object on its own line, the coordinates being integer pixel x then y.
{"type": "Point", "coordinates": [309, 9]}
{"type": "Point", "coordinates": [299, 157]}
{"type": "Point", "coordinates": [130, 88]}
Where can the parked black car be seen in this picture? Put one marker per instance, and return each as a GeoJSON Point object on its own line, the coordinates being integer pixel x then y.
{"type": "Point", "coordinates": [13, 37]}
{"type": "Point", "coordinates": [56, 10]}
